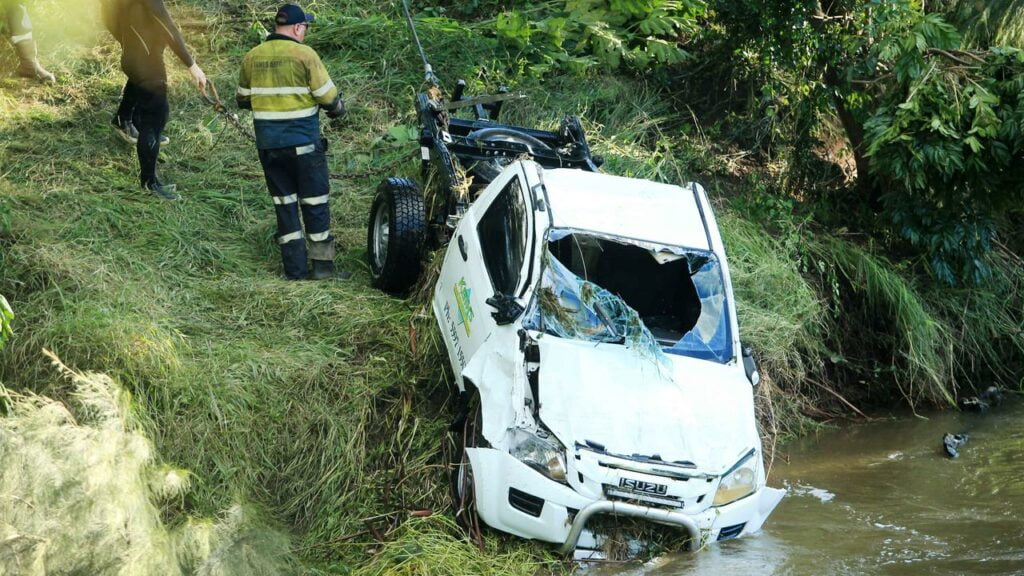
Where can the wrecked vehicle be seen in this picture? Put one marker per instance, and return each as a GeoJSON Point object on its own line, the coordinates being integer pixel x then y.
{"type": "Point", "coordinates": [591, 328]}
{"type": "Point", "coordinates": [590, 323]}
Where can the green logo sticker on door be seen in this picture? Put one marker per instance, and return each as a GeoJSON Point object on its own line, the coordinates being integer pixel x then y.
{"type": "Point", "coordinates": [462, 293]}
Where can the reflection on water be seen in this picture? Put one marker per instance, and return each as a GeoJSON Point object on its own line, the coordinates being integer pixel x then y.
{"type": "Point", "coordinates": [882, 498]}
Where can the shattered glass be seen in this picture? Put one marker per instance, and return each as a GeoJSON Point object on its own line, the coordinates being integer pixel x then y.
{"type": "Point", "coordinates": [710, 339]}
{"type": "Point", "coordinates": [687, 316]}
{"type": "Point", "coordinates": [571, 307]}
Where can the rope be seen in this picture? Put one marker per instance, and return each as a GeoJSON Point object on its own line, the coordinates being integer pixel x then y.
{"type": "Point", "coordinates": [427, 69]}
{"type": "Point", "coordinates": [219, 107]}
{"type": "Point", "coordinates": [212, 98]}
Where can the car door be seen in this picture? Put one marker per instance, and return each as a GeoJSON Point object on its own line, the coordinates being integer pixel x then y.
{"type": "Point", "coordinates": [493, 253]}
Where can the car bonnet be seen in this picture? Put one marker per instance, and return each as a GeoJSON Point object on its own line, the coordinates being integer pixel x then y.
{"type": "Point", "coordinates": [693, 411]}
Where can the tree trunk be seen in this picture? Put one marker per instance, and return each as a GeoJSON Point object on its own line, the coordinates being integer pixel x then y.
{"type": "Point", "coordinates": [854, 130]}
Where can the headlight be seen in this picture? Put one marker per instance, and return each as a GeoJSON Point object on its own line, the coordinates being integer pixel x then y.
{"type": "Point", "coordinates": [739, 482]}
{"type": "Point", "coordinates": [541, 451]}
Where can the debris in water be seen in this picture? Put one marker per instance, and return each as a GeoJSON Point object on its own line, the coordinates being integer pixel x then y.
{"type": "Point", "coordinates": [951, 442]}
{"type": "Point", "coordinates": [992, 396]}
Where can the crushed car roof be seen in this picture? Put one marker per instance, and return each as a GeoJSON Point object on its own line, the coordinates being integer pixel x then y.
{"type": "Point", "coordinates": [627, 207]}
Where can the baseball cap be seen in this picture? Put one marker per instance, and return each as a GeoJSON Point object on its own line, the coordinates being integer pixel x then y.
{"type": "Point", "coordinates": [291, 14]}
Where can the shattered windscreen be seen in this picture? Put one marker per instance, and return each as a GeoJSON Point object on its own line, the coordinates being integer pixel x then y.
{"type": "Point", "coordinates": [654, 298]}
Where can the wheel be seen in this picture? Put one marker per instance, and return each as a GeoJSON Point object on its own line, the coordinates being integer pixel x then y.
{"type": "Point", "coordinates": [506, 134]}
{"type": "Point", "coordinates": [395, 235]}
{"type": "Point", "coordinates": [468, 435]}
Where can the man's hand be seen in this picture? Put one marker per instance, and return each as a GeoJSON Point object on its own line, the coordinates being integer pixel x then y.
{"type": "Point", "coordinates": [198, 77]}
{"type": "Point", "coordinates": [336, 111]}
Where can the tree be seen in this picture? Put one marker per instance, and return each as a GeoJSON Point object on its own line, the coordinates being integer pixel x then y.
{"type": "Point", "coordinates": [935, 129]}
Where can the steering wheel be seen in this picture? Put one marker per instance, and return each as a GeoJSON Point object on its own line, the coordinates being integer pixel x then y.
{"type": "Point", "coordinates": [505, 134]}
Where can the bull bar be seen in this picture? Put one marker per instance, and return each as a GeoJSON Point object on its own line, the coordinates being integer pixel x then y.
{"type": "Point", "coordinates": [626, 509]}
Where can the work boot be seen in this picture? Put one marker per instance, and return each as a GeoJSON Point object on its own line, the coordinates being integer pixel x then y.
{"type": "Point", "coordinates": [30, 66]}
{"type": "Point", "coordinates": [161, 190]}
{"type": "Point", "coordinates": [324, 270]}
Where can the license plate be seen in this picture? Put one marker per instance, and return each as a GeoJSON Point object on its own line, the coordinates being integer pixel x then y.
{"type": "Point", "coordinates": [643, 487]}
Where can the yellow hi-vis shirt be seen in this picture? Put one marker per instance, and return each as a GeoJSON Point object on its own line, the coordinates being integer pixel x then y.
{"type": "Point", "coordinates": [284, 83]}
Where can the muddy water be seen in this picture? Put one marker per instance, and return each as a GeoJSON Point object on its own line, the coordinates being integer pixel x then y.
{"type": "Point", "coordinates": [882, 498]}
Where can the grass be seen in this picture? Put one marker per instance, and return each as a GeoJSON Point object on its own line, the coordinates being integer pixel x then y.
{"type": "Point", "coordinates": [82, 493]}
{"type": "Point", "coordinates": [302, 411]}
{"type": "Point", "coordinates": [993, 22]}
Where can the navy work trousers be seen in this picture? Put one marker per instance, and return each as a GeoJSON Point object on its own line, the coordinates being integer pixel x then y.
{"type": "Point", "coordinates": [299, 182]}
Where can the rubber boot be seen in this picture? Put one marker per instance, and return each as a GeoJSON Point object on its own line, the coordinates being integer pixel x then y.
{"type": "Point", "coordinates": [325, 270]}
{"type": "Point", "coordinates": [30, 66]}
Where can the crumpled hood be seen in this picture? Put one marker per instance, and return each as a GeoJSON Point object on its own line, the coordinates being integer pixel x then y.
{"type": "Point", "coordinates": [699, 411]}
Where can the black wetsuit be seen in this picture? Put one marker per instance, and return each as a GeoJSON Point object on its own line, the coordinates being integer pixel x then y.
{"type": "Point", "coordinates": [144, 29]}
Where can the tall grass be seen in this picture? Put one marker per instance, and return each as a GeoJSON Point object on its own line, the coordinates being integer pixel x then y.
{"type": "Point", "coordinates": [986, 326]}
{"type": "Point", "coordinates": [82, 491]}
{"type": "Point", "coordinates": [988, 23]}
{"type": "Point", "coordinates": [880, 311]}
{"type": "Point", "coordinates": [781, 319]}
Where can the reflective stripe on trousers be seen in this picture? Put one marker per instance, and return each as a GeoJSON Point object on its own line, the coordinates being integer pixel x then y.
{"type": "Point", "coordinates": [299, 185]}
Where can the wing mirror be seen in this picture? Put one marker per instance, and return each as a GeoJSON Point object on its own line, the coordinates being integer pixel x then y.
{"type": "Point", "coordinates": [506, 309]}
{"type": "Point", "coordinates": [750, 366]}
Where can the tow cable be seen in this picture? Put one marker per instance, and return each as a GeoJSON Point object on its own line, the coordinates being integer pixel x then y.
{"type": "Point", "coordinates": [212, 98]}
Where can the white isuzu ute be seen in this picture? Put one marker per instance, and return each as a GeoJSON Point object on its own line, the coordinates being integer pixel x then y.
{"type": "Point", "coordinates": [591, 327]}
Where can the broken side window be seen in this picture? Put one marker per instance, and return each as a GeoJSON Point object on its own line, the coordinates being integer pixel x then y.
{"type": "Point", "coordinates": [502, 232]}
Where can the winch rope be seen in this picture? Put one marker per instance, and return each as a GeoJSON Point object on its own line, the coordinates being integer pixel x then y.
{"type": "Point", "coordinates": [212, 98]}
{"type": "Point", "coordinates": [428, 70]}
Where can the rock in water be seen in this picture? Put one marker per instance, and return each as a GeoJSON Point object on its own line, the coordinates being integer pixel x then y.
{"type": "Point", "coordinates": [952, 442]}
{"type": "Point", "coordinates": [992, 395]}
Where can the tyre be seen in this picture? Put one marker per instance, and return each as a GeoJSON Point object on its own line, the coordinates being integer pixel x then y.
{"type": "Point", "coordinates": [468, 434]}
{"type": "Point", "coordinates": [395, 235]}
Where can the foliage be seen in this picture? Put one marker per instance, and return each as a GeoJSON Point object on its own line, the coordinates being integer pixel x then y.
{"type": "Point", "coordinates": [880, 312]}
{"type": "Point", "coordinates": [936, 130]}
{"type": "Point", "coordinates": [993, 22]}
{"type": "Point", "coordinates": [611, 33]}
{"type": "Point", "coordinates": [947, 143]}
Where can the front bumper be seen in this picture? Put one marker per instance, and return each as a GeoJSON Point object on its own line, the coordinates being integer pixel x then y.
{"type": "Point", "coordinates": [563, 513]}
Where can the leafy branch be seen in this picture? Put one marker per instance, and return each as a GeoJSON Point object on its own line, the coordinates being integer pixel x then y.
{"type": "Point", "coordinates": [610, 33]}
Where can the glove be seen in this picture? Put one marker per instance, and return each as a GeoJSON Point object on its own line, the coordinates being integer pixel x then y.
{"type": "Point", "coordinates": [336, 110]}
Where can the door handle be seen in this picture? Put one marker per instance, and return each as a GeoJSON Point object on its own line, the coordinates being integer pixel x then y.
{"type": "Point", "coordinates": [462, 250]}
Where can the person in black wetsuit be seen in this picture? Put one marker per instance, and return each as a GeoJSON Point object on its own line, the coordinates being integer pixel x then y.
{"type": "Point", "coordinates": [144, 28]}
{"type": "Point", "coordinates": [19, 31]}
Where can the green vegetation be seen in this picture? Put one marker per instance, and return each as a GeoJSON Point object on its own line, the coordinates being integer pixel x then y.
{"type": "Point", "coordinates": [934, 128]}
{"type": "Point", "coordinates": [89, 495]}
{"type": "Point", "coordinates": [311, 418]}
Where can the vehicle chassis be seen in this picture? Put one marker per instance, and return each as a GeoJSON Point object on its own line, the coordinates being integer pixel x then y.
{"type": "Point", "coordinates": [459, 157]}
{"type": "Point", "coordinates": [457, 150]}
